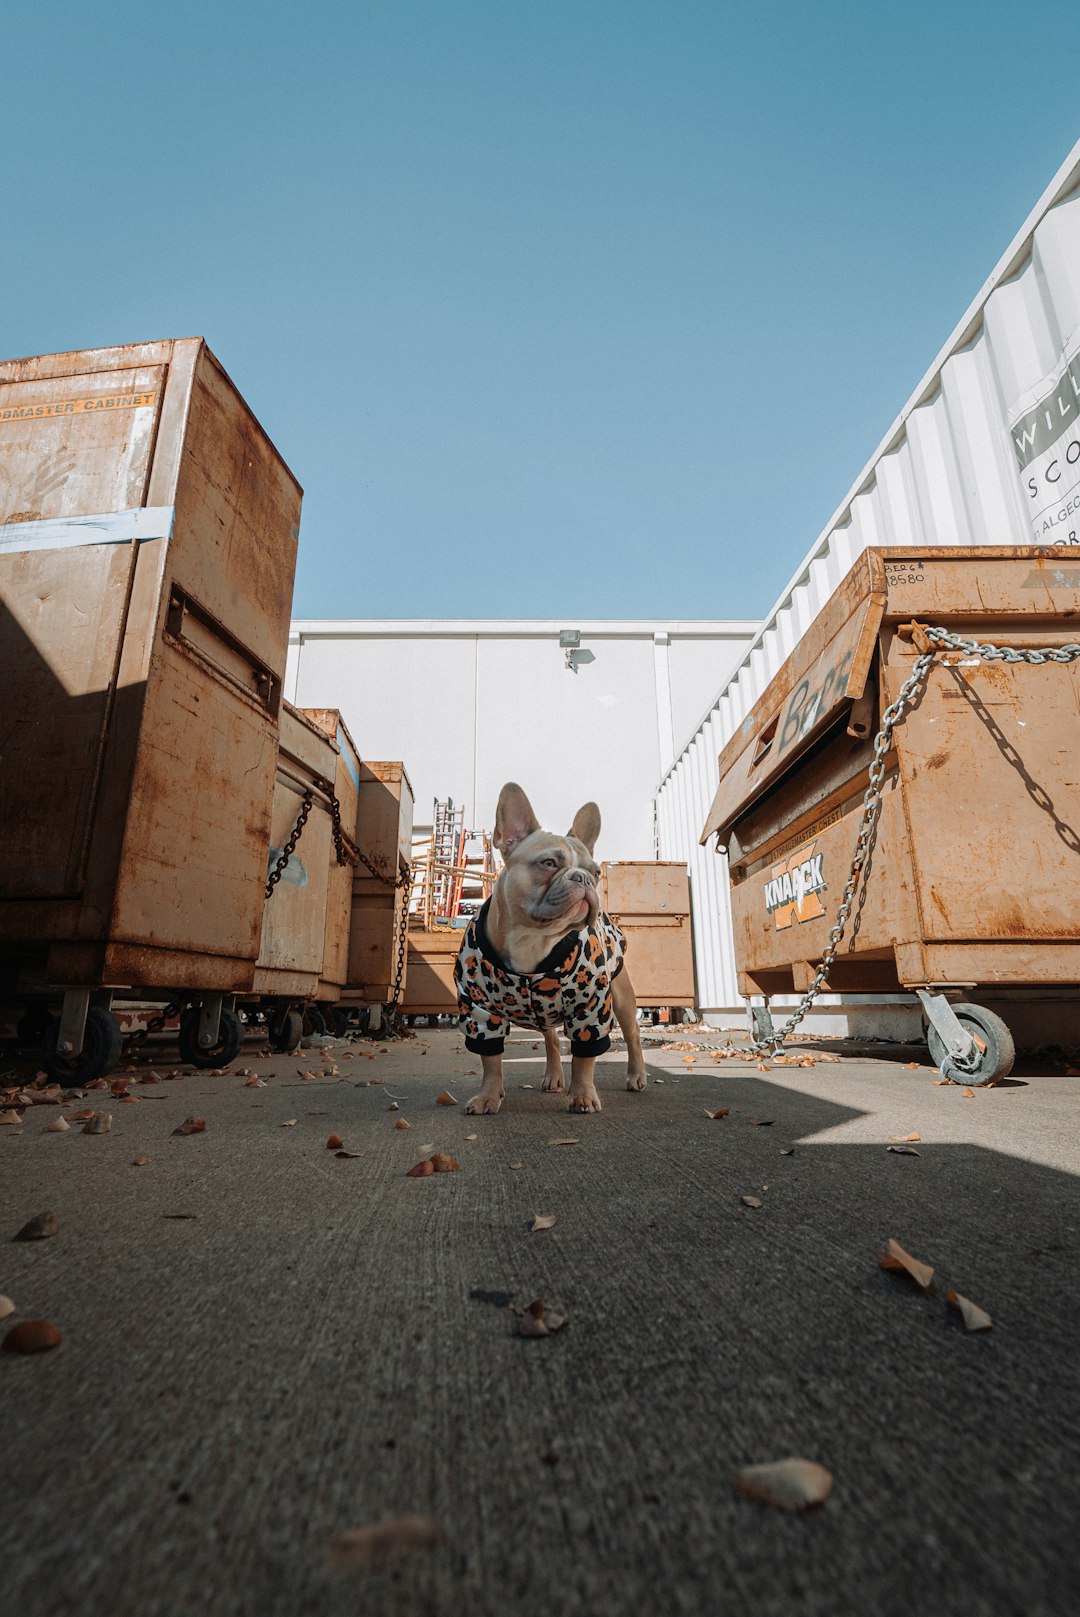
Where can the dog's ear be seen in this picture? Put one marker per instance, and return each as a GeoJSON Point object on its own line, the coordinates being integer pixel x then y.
{"type": "Point", "coordinates": [586, 826]}
{"type": "Point", "coordinates": [514, 819]}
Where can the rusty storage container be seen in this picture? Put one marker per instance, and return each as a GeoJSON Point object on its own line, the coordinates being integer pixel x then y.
{"type": "Point", "coordinates": [148, 533]}
{"type": "Point", "coordinates": [429, 982]}
{"type": "Point", "coordinates": [299, 918]}
{"type": "Point", "coordinates": [971, 884]}
{"type": "Point", "coordinates": [378, 959]}
{"type": "Point", "coordinates": [339, 895]}
{"type": "Point", "coordinates": [651, 902]}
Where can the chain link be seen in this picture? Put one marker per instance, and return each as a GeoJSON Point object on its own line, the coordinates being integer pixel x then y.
{"type": "Point", "coordinates": [397, 987]}
{"type": "Point", "coordinates": [287, 851]}
{"type": "Point", "coordinates": [872, 798]}
{"type": "Point", "coordinates": [133, 1041]}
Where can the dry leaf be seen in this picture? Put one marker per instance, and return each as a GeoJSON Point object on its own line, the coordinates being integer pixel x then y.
{"type": "Point", "coordinates": [969, 1094]}
{"type": "Point", "coordinates": [191, 1125]}
{"type": "Point", "coordinates": [119, 1086]}
{"type": "Point", "coordinates": [422, 1170]}
{"type": "Point", "coordinates": [942, 1082]}
{"type": "Point", "coordinates": [425, 1150]}
{"type": "Point", "coordinates": [788, 1151]}
{"type": "Point", "coordinates": [393, 1107]}
{"type": "Point", "coordinates": [793, 1485]}
{"type": "Point", "coordinates": [346, 1153]}
{"type": "Point", "coordinates": [39, 1228]}
{"type": "Point", "coordinates": [219, 1072]}
{"type": "Point", "coordinates": [80, 1117]}
{"type": "Point", "coordinates": [140, 1162]}
{"type": "Point", "coordinates": [6, 1307]}
{"type": "Point", "coordinates": [542, 1221]}
{"type": "Point", "coordinates": [99, 1083]}
{"type": "Point", "coordinates": [254, 1083]}
{"type": "Point", "coordinates": [904, 1150]}
{"type": "Point", "coordinates": [526, 1086]}
{"type": "Point", "coordinates": [59, 1125]}
{"type": "Point", "coordinates": [32, 1336]}
{"type": "Point", "coordinates": [751, 1201]}
{"type": "Point", "coordinates": [688, 1061]}
{"type": "Point", "coordinates": [564, 1142]}
{"type": "Point", "coordinates": [360, 1546]}
{"type": "Point", "coordinates": [517, 1165]}
{"type": "Point", "coordinates": [905, 1139]}
{"type": "Point", "coordinates": [445, 1099]}
{"type": "Point", "coordinates": [894, 1257]}
{"type": "Point", "coordinates": [10, 1117]}
{"type": "Point", "coordinates": [98, 1123]}
{"type": "Point", "coordinates": [911, 1064]}
{"type": "Point", "coordinates": [334, 1143]}
{"type": "Point", "coordinates": [975, 1319]}
{"type": "Point", "coordinates": [761, 1122]}
{"type": "Point", "coordinates": [721, 1111]}
{"type": "Point", "coordinates": [472, 1136]}
{"type": "Point", "coordinates": [401, 1124]}
{"type": "Point", "coordinates": [536, 1320]}
{"type": "Point", "coordinates": [444, 1164]}
{"type": "Point", "coordinates": [290, 1123]}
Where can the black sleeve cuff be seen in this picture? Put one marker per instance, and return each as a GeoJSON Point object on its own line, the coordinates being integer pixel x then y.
{"type": "Point", "coordinates": [595, 1047]}
{"type": "Point", "coordinates": [485, 1047]}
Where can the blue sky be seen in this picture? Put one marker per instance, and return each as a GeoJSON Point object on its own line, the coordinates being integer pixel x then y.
{"type": "Point", "coordinates": [598, 304]}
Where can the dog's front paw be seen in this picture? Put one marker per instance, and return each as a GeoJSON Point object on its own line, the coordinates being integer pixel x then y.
{"type": "Point", "coordinates": [636, 1080]}
{"type": "Point", "coordinates": [553, 1081]}
{"type": "Point", "coordinates": [585, 1101]}
{"type": "Point", "coordinates": [483, 1105]}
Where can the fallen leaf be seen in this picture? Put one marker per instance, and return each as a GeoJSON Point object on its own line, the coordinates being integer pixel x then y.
{"type": "Point", "coordinates": [659, 1080]}
{"type": "Point", "coordinates": [761, 1122]}
{"type": "Point", "coordinates": [39, 1228]}
{"type": "Point", "coordinates": [401, 1124]}
{"type": "Point", "coordinates": [10, 1117]}
{"type": "Point", "coordinates": [536, 1320]}
{"type": "Point", "coordinates": [445, 1099]}
{"type": "Point", "coordinates": [31, 1336]}
{"type": "Point", "coordinates": [335, 1142]}
{"type": "Point", "coordinates": [393, 1107]}
{"type": "Point", "coordinates": [150, 1078]}
{"type": "Point", "coordinates": [98, 1083]}
{"type": "Point", "coordinates": [424, 1150]}
{"type": "Point", "coordinates": [904, 1150]}
{"type": "Point", "coordinates": [688, 1061]}
{"type": "Point", "coordinates": [219, 1072]}
{"type": "Point", "coordinates": [119, 1086]}
{"type": "Point", "coordinates": [346, 1153]}
{"type": "Point", "coordinates": [526, 1086]}
{"type": "Point", "coordinates": [98, 1123]}
{"type": "Point", "coordinates": [140, 1162]}
{"type": "Point", "coordinates": [905, 1139]}
{"type": "Point", "coordinates": [6, 1307]}
{"type": "Point", "coordinates": [360, 1546]}
{"type": "Point", "coordinates": [445, 1164]}
{"type": "Point", "coordinates": [255, 1083]}
{"type": "Point", "coordinates": [894, 1257]}
{"type": "Point", "coordinates": [376, 1082]}
{"type": "Point", "coordinates": [564, 1142]}
{"type": "Point", "coordinates": [542, 1221]}
{"type": "Point", "coordinates": [422, 1170]}
{"type": "Point", "coordinates": [911, 1063]}
{"type": "Point", "coordinates": [191, 1125]}
{"type": "Point", "coordinates": [751, 1201]}
{"type": "Point", "coordinates": [132, 1100]}
{"type": "Point", "coordinates": [472, 1136]}
{"type": "Point", "coordinates": [80, 1117]}
{"type": "Point", "coordinates": [969, 1094]}
{"type": "Point", "coordinates": [721, 1111]}
{"type": "Point", "coordinates": [788, 1151]}
{"type": "Point", "coordinates": [59, 1125]}
{"type": "Point", "coordinates": [794, 1485]}
{"type": "Point", "coordinates": [290, 1123]}
{"type": "Point", "coordinates": [517, 1165]}
{"type": "Point", "coordinates": [975, 1319]}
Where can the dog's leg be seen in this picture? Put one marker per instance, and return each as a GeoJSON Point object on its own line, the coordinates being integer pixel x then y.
{"type": "Point", "coordinates": [624, 1004]}
{"type": "Point", "coordinates": [553, 1071]}
{"type": "Point", "coordinates": [582, 1093]}
{"type": "Point", "coordinates": [491, 1093]}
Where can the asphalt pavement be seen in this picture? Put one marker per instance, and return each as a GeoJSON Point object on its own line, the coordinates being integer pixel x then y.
{"type": "Point", "coordinates": [266, 1344]}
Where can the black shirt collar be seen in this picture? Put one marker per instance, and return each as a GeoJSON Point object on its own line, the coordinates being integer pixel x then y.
{"type": "Point", "coordinates": [553, 962]}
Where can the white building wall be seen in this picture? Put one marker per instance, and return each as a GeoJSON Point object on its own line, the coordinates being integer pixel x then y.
{"type": "Point", "coordinates": [468, 705]}
{"type": "Point", "coordinates": [945, 474]}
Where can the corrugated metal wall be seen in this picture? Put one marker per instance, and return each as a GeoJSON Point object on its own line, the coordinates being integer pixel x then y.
{"type": "Point", "coordinates": [945, 474]}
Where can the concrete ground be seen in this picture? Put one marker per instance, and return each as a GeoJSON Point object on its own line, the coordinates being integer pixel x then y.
{"type": "Point", "coordinates": [265, 1344]}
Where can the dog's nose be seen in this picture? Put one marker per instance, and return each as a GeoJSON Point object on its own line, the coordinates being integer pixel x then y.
{"type": "Point", "coordinates": [580, 876]}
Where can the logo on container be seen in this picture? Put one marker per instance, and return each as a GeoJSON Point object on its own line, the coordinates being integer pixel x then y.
{"type": "Point", "coordinates": [791, 893]}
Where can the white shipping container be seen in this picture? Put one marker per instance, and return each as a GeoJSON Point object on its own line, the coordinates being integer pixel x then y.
{"type": "Point", "coordinates": [986, 451]}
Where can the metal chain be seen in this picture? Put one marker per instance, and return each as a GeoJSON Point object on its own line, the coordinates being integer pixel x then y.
{"type": "Point", "coordinates": [872, 799]}
{"type": "Point", "coordinates": [287, 852]}
{"type": "Point", "coordinates": [403, 927]}
{"type": "Point", "coordinates": [345, 848]}
{"type": "Point", "coordinates": [134, 1040]}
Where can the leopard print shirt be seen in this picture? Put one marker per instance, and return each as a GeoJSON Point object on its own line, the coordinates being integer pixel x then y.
{"type": "Point", "coordinates": [572, 986]}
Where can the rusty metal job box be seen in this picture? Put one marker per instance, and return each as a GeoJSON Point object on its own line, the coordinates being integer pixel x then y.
{"type": "Point", "coordinates": [377, 970]}
{"type": "Point", "coordinates": [973, 876]}
{"type": "Point", "coordinates": [651, 902]}
{"type": "Point", "coordinates": [148, 533]}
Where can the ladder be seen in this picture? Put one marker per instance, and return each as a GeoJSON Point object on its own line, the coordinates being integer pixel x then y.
{"type": "Point", "coordinates": [453, 869]}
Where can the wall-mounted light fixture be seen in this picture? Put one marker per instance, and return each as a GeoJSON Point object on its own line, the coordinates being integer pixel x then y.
{"type": "Point", "coordinates": [570, 641]}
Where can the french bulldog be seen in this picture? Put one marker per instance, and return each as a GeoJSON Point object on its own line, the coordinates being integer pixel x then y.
{"type": "Point", "coordinates": [542, 953]}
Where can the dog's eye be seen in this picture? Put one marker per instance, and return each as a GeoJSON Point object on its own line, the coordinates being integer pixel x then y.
{"type": "Point", "coordinates": [552, 864]}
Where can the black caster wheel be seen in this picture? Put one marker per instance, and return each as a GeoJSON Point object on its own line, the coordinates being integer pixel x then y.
{"type": "Point", "coordinates": [995, 1058]}
{"type": "Point", "coordinates": [102, 1043]}
{"type": "Point", "coordinates": [337, 1020]}
{"type": "Point", "coordinates": [230, 1038]}
{"type": "Point", "coordinates": [286, 1033]}
{"type": "Point", "coordinates": [314, 1023]}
